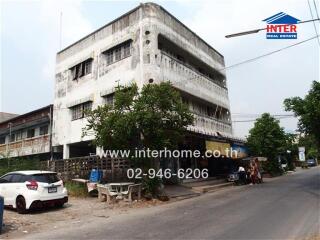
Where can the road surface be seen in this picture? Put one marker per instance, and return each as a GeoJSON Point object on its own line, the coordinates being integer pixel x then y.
{"type": "Point", "coordinates": [287, 207]}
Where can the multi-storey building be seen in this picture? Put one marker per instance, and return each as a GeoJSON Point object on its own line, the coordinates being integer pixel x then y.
{"type": "Point", "coordinates": [27, 135]}
{"type": "Point", "coordinates": [146, 45]}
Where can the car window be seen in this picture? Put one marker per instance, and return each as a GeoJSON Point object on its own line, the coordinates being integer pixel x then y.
{"type": "Point", "coordinates": [16, 178]}
{"type": "Point", "coordinates": [6, 178]}
{"type": "Point", "coordinates": [46, 178]}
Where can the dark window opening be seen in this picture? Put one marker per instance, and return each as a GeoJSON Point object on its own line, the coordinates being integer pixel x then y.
{"type": "Point", "coordinates": [44, 130]}
{"type": "Point", "coordinates": [81, 69]}
{"type": "Point", "coordinates": [2, 140]}
{"type": "Point", "coordinates": [30, 133]}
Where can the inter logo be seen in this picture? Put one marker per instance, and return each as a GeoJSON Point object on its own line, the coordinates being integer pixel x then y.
{"type": "Point", "coordinates": [281, 26]}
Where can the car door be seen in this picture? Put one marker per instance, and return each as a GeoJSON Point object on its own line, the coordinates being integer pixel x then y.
{"type": "Point", "coordinates": [5, 188]}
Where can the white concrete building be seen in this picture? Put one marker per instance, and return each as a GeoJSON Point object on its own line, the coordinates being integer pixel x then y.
{"type": "Point", "coordinates": [145, 45]}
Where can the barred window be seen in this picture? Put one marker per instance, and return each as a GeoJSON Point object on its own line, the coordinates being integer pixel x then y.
{"type": "Point", "coordinates": [79, 111]}
{"type": "Point", "coordinates": [109, 99]}
{"type": "Point", "coordinates": [127, 49]}
{"type": "Point", "coordinates": [118, 54]}
{"type": "Point", "coordinates": [109, 57]}
{"type": "Point", "coordinates": [86, 107]}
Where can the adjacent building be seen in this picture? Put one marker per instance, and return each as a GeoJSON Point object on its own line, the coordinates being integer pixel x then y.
{"type": "Point", "coordinates": [146, 45]}
{"type": "Point", "coordinates": [27, 135]}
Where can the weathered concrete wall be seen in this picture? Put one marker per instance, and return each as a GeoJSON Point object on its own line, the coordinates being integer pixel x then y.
{"type": "Point", "coordinates": [143, 26]}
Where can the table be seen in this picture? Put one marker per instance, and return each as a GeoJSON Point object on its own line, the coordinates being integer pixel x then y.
{"type": "Point", "coordinates": [119, 187]}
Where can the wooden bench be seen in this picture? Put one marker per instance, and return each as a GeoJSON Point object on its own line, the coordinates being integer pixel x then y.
{"type": "Point", "coordinates": [132, 189]}
{"type": "Point", "coordinates": [104, 192]}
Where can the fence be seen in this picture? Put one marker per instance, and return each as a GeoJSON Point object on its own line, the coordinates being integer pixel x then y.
{"type": "Point", "coordinates": [114, 168]}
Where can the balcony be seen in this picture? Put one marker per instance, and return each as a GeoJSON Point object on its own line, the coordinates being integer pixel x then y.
{"type": "Point", "coordinates": [189, 80]}
{"type": "Point", "coordinates": [36, 145]}
{"type": "Point", "coordinates": [210, 126]}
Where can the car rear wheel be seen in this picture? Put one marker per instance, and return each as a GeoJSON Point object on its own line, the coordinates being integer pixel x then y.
{"type": "Point", "coordinates": [21, 205]}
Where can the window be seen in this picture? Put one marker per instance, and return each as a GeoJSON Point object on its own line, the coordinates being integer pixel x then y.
{"type": "Point", "coordinates": [109, 99]}
{"type": "Point", "coordinates": [81, 69]}
{"type": "Point", "coordinates": [86, 107]}
{"type": "Point", "coordinates": [44, 130]}
{"type": "Point", "coordinates": [6, 178]}
{"type": "Point", "coordinates": [126, 49]}
{"type": "Point", "coordinates": [12, 137]}
{"type": "Point", "coordinates": [30, 133]}
{"type": "Point", "coordinates": [87, 67]}
{"type": "Point", "coordinates": [118, 52]}
{"type": "Point", "coordinates": [109, 57]}
{"type": "Point", "coordinates": [16, 178]}
{"type": "Point", "coordinates": [79, 111]}
{"type": "Point", "coordinates": [18, 136]}
{"type": "Point", "coordinates": [2, 140]}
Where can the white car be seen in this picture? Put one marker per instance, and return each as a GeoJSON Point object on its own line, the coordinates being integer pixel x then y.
{"type": "Point", "coordinates": [25, 190]}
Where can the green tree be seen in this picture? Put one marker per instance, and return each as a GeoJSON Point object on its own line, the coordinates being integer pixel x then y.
{"type": "Point", "coordinates": [268, 139]}
{"type": "Point", "coordinates": [307, 110]}
{"type": "Point", "coordinates": [154, 118]}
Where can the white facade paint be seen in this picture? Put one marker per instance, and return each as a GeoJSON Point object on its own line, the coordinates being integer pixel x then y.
{"type": "Point", "coordinates": [143, 26]}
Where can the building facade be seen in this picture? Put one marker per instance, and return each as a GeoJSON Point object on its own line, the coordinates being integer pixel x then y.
{"type": "Point", "coordinates": [146, 45]}
{"type": "Point", "coordinates": [27, 135]}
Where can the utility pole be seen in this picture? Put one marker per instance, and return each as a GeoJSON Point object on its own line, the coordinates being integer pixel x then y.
{"type": "Point", "coordinates": [9, 142]}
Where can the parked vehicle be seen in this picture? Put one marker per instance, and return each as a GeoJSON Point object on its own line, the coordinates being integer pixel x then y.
{"type": "Point", "coordinates": [233, 177]}
{"type": "Point", "coordinates": [25, 190]}
{"type": "Point", "coordinates": [312, 162]}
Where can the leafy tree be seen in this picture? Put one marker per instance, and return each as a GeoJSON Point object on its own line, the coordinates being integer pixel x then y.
{"type": "Point", "coordinates": [153, 118]}
{"type": "Point", "coordinates": [307, 110]}
{"type": "Point", "coordinates": [267, 139]}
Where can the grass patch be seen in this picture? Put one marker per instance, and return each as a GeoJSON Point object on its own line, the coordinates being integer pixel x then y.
{"type": "Point", "coordinates": [76, 189]}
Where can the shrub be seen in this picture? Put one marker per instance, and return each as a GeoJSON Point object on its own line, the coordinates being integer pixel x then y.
{"type": "Point", "coordinates": [76, 189]}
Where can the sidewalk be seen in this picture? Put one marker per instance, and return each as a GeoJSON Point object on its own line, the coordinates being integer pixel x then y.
{"type": "Point", "coordinates": [195, 188]}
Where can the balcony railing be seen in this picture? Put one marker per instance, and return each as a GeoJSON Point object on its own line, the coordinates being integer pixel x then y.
{"type": "Point", "coordinates": [187, 79]}
{"type": "Point", "coordinates": [210, 126]}
{"type": "Point", "coordinates": [36, 145]}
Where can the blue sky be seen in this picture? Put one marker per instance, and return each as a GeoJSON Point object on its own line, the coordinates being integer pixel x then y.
{"type": "Point", "coordinates": [30, 38]}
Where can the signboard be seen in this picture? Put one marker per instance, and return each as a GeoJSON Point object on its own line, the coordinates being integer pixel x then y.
{"type": "Point", "coordinates": [302, 156]}
{"type": "Point", "coordinates": [218, 146]}
{"type": "Point", "coordinates": [242, 151]}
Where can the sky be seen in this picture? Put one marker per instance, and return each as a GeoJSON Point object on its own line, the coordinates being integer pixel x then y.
{"type": "Point", "coordinates": [31, 34]}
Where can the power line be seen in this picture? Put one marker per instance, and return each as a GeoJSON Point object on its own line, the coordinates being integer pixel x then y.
{"type": "Point", "coordinates": [315, 7]}
{"type": "Point", "coordinates": [314, 25]}
{"type": "Point", "coordinates": [267, 54]}
{"type": "Point", "coordinates": [253, 120]}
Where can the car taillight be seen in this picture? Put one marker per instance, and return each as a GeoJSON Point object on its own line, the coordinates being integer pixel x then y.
{"type": "Point", "coordinates": [32, 185]}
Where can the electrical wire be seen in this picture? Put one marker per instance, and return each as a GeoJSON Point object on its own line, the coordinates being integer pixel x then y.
{"type": "Point", "coordinates": [315, 7]}
{"type": "Point", "coordinates": [268, 54]}
{"type": "Point", "coordinates": [314, 25]}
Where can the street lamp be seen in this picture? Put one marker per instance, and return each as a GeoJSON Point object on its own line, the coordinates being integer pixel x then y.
{"type": "Point", "coordinates": [260, 29]}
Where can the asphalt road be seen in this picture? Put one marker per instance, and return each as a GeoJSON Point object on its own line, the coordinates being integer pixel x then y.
{"type": "Point", "coordinates": [283, 208]}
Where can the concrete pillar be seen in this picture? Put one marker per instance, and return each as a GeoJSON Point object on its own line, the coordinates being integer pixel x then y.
{"type": "Point", "coordinates": [66, 151]}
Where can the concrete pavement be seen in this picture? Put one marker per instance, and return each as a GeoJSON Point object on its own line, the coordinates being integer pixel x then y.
{"type": "Point", "coordinates": [285, 208]}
